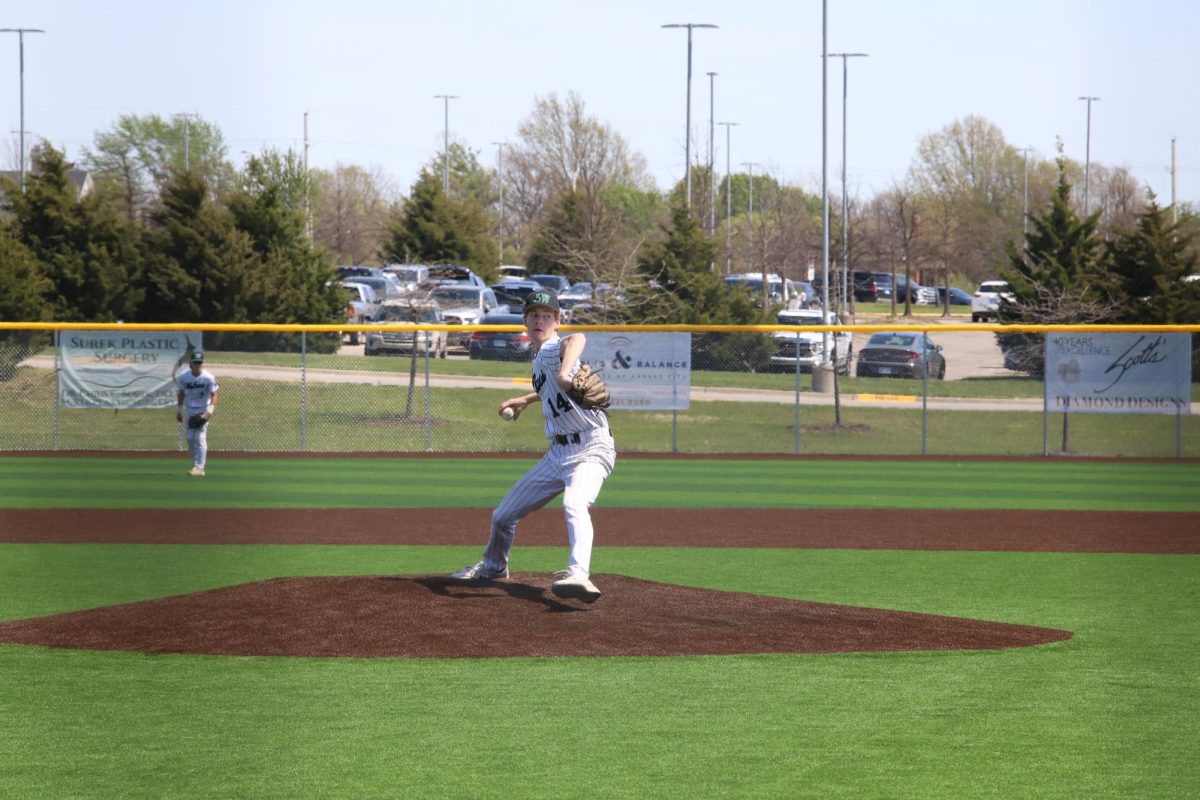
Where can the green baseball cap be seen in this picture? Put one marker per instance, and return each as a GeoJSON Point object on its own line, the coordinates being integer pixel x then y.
{"type": "Point", "coordinates": [198, 357]}
{"type": "Point", "coordinates": [540, 299]}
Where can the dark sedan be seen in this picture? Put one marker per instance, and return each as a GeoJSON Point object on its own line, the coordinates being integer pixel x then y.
{"type": "Point", "coordinates": [958, 297]}
{"type": "Point", "coordinates": [900, 354]}
{"type": "Point", "coordinates": [501, 345]}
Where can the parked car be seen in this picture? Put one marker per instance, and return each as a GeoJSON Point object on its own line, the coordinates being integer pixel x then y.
{"type": "Point", "coordinates": [918, 294]}
{"type": "Point", "coordinates": [985, 304]}
{"type": "Point", "coordinates": [577, 293]}
{"type": "Point", "coordinates": [513, 271]}
{"type": "Point", "coordinates": [521, 289]}
{"type": "Point", "coordinates": [463, 304]}
{"type": "Point", "coordinates": [387, 286]}
{"type": "Point", "coordinates": [958, 297]}
{"type": "Point", "coordinates": [865, 288]}
{"type": "Point", "coordinates": [803, 295]}
{"type": "Point", "coordinates": [362, 304]}
{"type": "Point", "coordinates": [355, 271]}
{"type": "Point", "coordinates": [900, 354]}
{"type": "Point", "coordinates": [777, 289]}
{"type": "Point", "coordinates": [402, 315]}
{"type": "Point", "coordinates": [556, 283]}
{"type": "Point", "coordinates": [410, 276]}
{"type": "Point", "coordinates": [454, 273]}
{"type": "Point", "coordinates": [808, 349]}
{"type": "Point", "coordinates": [501, 344]}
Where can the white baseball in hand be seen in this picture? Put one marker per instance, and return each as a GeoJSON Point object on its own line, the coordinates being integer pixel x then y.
{"type": "Point", "coordinates": [507, 414]}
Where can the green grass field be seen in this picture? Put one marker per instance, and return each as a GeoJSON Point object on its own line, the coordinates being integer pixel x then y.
{"type": "Point", "coordinates": [1112, 712]}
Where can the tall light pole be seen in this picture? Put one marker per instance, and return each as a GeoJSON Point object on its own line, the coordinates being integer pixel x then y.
{"type": "Point", "coordinates": [845, 199]}
{"type": "Point", "coordinates": [1025, 191]}
{"type": "Point", "coordinates": [1087, 161]}
{"type": "Point", "coordinates": [687, 147]}
{"type": "Point", "coordinates": [20, 32]}
{"type": "Point", "coordinates": [446, 98]}
{"type": "Point", "coordinates": [500, 175]}
{"type": "Point", "coordinates": [824, 180]}
{"type": "Point", "coordinates": [712, 154]}
{"type": "Point", "coordinates": [728, 200]}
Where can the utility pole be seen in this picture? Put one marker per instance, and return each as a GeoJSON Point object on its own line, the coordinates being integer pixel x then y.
{"type": "Point", "coordinates": [1174, 206]}
{"type": "Point", "coordinates": [187, 146]}
{"type": "Point", "coordinates": [446, 98]}
{"type": "Point", "coordinates": [728, 201]}
{"type": "Point", "coordinates": [1087, 161]}
{"type": "Point", "coordinates": [750, 165]}
{"type": "Point", "coordinates": [712, 154]}
{"type": "Point", "coordinates": [500, 175]}
{"type": "Point", "coordinates": [308, 221]}
{"type": "Point", "coordinates": [20, 32]}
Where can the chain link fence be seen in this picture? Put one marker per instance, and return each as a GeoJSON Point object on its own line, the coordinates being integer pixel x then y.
{"type": "Point", "coordinates": [760, 390]}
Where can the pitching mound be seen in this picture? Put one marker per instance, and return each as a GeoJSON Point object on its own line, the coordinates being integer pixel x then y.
{"type": "Point", "coordinates": [433, 617]}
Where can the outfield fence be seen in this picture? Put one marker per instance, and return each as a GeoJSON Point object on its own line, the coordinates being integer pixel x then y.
{"type": "Point", "coordinates": [732, 389]}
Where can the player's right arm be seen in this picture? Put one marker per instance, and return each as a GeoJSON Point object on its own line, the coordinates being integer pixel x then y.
{"type": "Point", "coordinates": [519, 404]}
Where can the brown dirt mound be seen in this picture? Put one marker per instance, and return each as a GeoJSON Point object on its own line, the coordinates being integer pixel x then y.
{"type": "Point", "coordinates": [433, 617]}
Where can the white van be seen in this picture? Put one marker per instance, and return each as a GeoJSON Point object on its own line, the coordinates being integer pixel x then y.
{"type": "Point", "coordinates": [985, 304]}
{"type": "Point", "coordinates": [411, 276]}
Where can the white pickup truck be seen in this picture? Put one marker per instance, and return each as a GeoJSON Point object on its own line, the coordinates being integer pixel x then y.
{"type": "Point", "coordinates": [985, 304]}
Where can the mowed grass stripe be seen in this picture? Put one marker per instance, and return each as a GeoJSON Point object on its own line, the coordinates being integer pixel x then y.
{"type": "Point", "coordinates": [459, 482]}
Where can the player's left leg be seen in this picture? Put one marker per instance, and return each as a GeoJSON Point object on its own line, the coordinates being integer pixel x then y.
{"type": "Point", "coordinates": [582, 489]}
{"type": "Point", "coordinates": [201, 445]}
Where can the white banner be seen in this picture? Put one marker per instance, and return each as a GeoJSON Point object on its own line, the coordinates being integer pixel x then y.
{"type": "Point", "coordinates": [116, 369]}
{"type": "Point", "coordinates": [1125, 373]}
{"type": "Point", "coordinates": [643, 370]}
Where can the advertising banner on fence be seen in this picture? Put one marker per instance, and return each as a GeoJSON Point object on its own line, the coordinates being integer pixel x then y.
{"type": "Point", "coordinates": [643, 370]}
{"type": "Point", "coordinates": [1119, 373]}
{"type": "Point", "coordinates": [118, 369]}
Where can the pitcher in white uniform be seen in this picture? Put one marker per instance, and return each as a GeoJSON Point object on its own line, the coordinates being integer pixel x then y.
{"type": "Point", "coordinates": [581, 455]}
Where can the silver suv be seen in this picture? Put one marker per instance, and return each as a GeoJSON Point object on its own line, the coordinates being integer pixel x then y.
{"type": "Point", "coordinates": [403, 336]}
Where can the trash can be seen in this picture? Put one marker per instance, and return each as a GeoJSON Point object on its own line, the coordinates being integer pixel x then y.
{"type": "Point", "coordinates": [822, 380]}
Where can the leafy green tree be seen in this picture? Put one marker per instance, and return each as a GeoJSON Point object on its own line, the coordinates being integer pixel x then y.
{"type": "Point", "coordinates": [134, 160]}
{"type": "Point", "coordinates": [1150, 266]}
{"type": "Point", "coordinates": [87, 254]}
{"type": "Point", "coordinates": [432, 228]}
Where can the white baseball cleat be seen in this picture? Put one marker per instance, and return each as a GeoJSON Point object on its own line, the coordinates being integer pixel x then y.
{"type": "Point", "coordinates": [196, 472]}
{"type": "Point", "coordinates": [479, 572]}
{"type": "Point", "coordinates": [574, 583]}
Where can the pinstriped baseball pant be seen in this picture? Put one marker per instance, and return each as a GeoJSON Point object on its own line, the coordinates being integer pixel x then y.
{"type": "Point", "coordinates": [577, 471]}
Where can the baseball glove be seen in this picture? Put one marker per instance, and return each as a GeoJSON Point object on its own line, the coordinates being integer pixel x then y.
{"type": "Point", "coordinates": [587, 390]}
{"type": "Point", "coordinates": [196, 421]}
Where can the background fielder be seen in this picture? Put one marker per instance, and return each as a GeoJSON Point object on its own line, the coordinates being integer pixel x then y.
{"type": "Point", "coordinates": [580, 457]}
{"type": "Point", "coordinates": [196, 399]}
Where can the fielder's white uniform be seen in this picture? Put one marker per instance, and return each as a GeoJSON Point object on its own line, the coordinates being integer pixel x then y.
{"type": "Point", "coordinates": [198, 391]}
{"type": "Point", "coordinates": [581, 456]}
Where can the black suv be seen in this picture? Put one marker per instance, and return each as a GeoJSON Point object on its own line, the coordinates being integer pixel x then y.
{"type": "Point", "coordinates": [865, 290]}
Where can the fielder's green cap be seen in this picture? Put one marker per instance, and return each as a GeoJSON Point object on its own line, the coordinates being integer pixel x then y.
{"type": "Point", "coordinates": [541, 299]}
{"type": "Point", "coordinates": [198, 357]}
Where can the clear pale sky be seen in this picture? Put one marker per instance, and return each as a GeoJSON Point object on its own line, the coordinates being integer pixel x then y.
{"type": "Point", "coordinates": [367, 72]}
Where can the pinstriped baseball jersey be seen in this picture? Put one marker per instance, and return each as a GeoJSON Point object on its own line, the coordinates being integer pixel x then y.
{"type": "Point", "coordinates": [562, 414]}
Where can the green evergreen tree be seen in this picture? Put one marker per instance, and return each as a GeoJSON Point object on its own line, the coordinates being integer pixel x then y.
{"type": "Point", "coordinates": [291, 281]}
{"type": "Point", "coordinates": [197, 263]}
{"type": "Point", "coordinates": [87, 254]}
{"type": "Point", "coordinates": [1150, 266]}
{"type": "Point", "coordinates": [432, 228]}
{"type": "Point", "coordinates": [1060, 277]}
{"type": "Point", "coordinates": [22, 288]}
{"type": "Point", "coordinates": [681, 287]}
